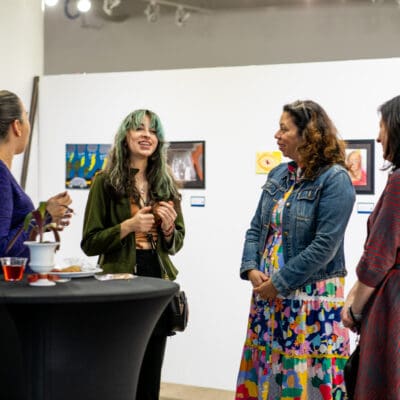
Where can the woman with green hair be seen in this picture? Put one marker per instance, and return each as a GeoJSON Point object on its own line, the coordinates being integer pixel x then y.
{"type": "Point", "coordinates": [133, 221]}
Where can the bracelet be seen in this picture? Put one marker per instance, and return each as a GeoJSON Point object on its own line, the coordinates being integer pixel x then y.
{"type": "Point", "coordinates": [169, 231]}
{"type": "Point", "coordinates": [355, 317]}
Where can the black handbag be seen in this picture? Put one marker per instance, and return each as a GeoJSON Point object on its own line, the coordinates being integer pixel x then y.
{"type": "Point", "coordinates": [350, 372]}
{"type": "Point", "coordinates": [178, 312]}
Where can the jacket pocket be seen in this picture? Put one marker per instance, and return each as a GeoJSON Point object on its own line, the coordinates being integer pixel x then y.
{"type": "Point", "coordinates": [306, 206]}
{"type": "Point", "coordinates": [310, 194]}
{"type": "Point", "coordinates": [271, 188]}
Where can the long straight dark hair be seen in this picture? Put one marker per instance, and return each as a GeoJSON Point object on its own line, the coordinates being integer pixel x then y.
{"type": "Point", "coordinates": [10, 110]}
{"type": "Point", "coordinates": [390, 114]}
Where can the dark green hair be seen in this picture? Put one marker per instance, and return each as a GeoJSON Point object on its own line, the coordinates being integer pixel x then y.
{"type": "Point", "coordinates": [161, 182]}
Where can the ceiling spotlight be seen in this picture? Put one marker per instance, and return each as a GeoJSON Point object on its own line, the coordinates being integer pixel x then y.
{"type": "Point", "coordinates": [181, 16]}
{"type": "Point", "coordinates": [84, 5]}
{"type": "Point", "coordinates": [50, 3]}
{"type": "Point", "coordinates": [152, 11]}
{"type": "Point", "coordinates": [108, 6]}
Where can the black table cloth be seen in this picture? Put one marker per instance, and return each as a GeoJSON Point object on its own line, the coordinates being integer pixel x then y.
{"type": "Point", "coordinates": [80, 340]}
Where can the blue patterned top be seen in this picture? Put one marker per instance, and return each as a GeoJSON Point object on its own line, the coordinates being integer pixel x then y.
{"type": "Point", "coordinates": [15, 205]}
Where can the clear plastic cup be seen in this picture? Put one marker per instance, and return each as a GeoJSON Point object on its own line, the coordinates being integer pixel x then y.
{"type": "Point", "coordinates": [13, 268]}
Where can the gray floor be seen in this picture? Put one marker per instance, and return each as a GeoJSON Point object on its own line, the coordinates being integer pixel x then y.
{"type": "Point", "coordinates": [172, 391]}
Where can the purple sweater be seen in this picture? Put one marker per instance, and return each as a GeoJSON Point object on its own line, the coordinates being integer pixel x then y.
{"type": "Point", "coordinates": [15, 205]}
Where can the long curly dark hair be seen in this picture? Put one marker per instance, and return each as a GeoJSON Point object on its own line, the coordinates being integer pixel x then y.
{"type": "Point", "coordinates": [120, 177]}
{"type": "Point", "coordinates": [321, 144]}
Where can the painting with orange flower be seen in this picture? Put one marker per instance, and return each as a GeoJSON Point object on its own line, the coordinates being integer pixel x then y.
{"type": "Point", "coordinates": [266, 160]}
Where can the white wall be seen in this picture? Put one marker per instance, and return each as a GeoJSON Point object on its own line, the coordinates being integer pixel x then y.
{"type": "Point", "coordinates": [21, 43]}
{"type": "Point", "coordinates": [236, 111]}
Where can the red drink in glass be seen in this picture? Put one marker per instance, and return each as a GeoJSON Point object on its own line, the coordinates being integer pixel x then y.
{"type": "Point", "coordinates": [13, 272]}
{"type": "Point", "coordinates": [13, 268]}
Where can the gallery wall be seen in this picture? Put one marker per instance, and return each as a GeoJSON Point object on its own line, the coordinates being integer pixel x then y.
{"type": "Point", "coordinates": [236, 111]}
{"type": "Point", "coordinates": [22, 60]}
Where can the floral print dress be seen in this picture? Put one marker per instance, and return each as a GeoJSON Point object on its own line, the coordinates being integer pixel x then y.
{"type": "Point", "coordinates": [296, 346]}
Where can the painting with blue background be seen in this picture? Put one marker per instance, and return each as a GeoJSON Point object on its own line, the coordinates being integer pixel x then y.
{"type": "Point", "coordinates": [82, 163]}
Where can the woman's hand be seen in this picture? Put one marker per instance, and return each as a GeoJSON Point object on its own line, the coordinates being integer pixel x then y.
{"type": "Point", "coordinates": [256, 277]}
{"type": "Point", "coordinates": [142, 221]}
{"type": "Point", "coordinates": [58, 208]}
{"type": "Point", "coordinates": [344, 314]}
{"type": "Point", "coordinates": [166, 212]}
{"type": "Point", "coordinates": [346, 318]}
{"type": "Point", "coordinates": [357, 298]}
{"type": "Point", "coordinates": [266, 291]}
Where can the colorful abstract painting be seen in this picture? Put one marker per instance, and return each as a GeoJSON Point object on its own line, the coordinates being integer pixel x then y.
{"type": "Point", "coordinates": [82, 163]}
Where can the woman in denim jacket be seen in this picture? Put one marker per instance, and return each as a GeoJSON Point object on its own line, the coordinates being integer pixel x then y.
{"type": "Point", "coordinates": [293, 256]}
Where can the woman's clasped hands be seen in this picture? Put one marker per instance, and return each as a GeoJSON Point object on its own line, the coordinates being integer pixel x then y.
{"type": "Point", "coordinates": [144, 219]}
{"type": "Point", "coordinates": [262, 285]}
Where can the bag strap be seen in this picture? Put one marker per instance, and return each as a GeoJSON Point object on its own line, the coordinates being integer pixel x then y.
{"type": "Point", "coordinates": [153, 243]}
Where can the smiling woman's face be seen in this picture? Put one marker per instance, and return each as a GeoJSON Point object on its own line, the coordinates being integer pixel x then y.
{"type": "Point", "coordinates": [354, 161]}
{"type": "Point", "coordinates": [287, 137]}
{"type": "Point", "coordinates": [143, 141]}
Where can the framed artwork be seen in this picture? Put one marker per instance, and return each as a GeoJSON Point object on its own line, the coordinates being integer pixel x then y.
{"type": "Point", "coordinates": [266, 160]}
{"type": "Point", "coordinates": [361, 163]}
{"type": "Point", "coordinates": [187, 161]}
{"type": "Point", "coordinates": [82, 163]}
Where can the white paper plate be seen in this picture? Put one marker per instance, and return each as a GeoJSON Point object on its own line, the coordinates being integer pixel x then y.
{"type": "Point", "coordinates": [80, 274]}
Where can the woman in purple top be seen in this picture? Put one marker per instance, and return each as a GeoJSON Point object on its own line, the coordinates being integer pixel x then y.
{"type": "Point", "coordinates": [15, 204]}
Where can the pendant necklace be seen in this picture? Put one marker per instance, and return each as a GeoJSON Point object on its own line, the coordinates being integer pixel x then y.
{"type": "Point", "coordinates": [141, 186]}
{"type": "Point", "coordinates": [142, 192]}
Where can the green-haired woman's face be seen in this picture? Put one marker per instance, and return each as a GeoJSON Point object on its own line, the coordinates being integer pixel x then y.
{"type": "Point", "coordinates": [142, 142]}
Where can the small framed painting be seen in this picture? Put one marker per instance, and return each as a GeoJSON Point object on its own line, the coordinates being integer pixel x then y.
{"type": "Point", "coordinates": [82, 162]}
{"type": "Point", "coordinates": [187, 161]}
{"type": "Point", "coordinates": [360, 161]}
{"type": "Point", "coordinates": [266, 160]}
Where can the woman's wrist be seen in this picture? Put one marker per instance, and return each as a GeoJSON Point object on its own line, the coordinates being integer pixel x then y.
{"type": "Point", "coordinates": [354, 316]}
{"type": "Point", "coordinates": [169, 231]}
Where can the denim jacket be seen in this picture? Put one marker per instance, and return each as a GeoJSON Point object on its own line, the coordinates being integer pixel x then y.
{"type": "Point", "coordinates": [314, 221]}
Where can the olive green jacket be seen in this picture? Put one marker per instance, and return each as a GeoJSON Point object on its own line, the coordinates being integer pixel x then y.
{"type": "Point", "coordinates": [101, 232]}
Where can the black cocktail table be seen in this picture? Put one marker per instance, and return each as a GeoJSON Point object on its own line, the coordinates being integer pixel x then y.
{"type": "Point", "coordinates": [80, 340]}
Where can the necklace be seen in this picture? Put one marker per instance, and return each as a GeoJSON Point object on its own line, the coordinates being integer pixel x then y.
{"type": "Point", "coordinates": [142, 187]}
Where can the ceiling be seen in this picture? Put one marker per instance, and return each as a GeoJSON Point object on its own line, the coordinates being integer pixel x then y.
{"type": "Point", "coordinates": [131, 8]}
{"type": "Point", "coordinates": [232, 4]}
{"type": "Point", "coordinates": [229, 4]}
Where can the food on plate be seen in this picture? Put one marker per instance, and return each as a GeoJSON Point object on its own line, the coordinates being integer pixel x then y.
{"type": "Point", "coordinates": [35, 277]}
{"type": "Point", "coordinates": [71, 268]}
